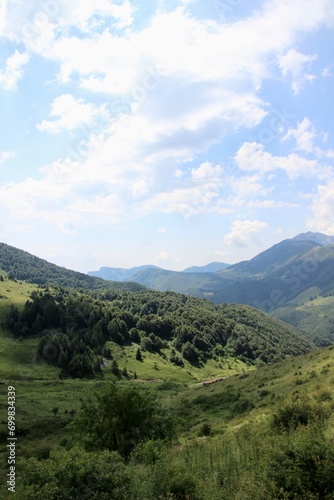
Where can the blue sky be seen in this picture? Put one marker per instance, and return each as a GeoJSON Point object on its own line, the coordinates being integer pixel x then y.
{"type": "Point", "coordinates": [173, 133]}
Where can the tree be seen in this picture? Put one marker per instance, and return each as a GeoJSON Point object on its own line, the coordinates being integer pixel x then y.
{"type": "Point", "coordinates": [118, 418]}
{"type": "Point", "coordinates": [190, 353]}
{"type": "Point", "coordinates": [139, 356]}
{"type": "Point", "coordinates": [115, 368]}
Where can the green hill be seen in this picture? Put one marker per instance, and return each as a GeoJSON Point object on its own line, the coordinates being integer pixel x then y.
{"type": "Point", "coordinates": [225, 444]}
{"type": "Point", "coordinates": [22, 265]}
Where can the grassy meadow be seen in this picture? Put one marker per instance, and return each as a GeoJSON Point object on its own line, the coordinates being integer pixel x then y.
{"type": "Point", "coordinates": [225, 445]}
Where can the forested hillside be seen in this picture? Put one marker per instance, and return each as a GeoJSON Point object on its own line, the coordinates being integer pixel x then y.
{"type": "Point", "coordinates": [75, 327]}
{"type": "Point", "coordinates": [22, 265]}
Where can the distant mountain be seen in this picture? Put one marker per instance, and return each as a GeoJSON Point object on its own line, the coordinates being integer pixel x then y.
{"type": "Point", "coordinates": [270, 261]}
{"type": "Point", "coordinates": [201, 285]}
{"type": "Point", "coordinates": [22, 265]}
{"type": "Point", "coordinates": [279, 280]}
{"type": "Point", "coordinates": [319, 238]}
{"type": "Point", "coordinates": [213, 267]}
{"type": "Point", "coordinates": [119, 273]}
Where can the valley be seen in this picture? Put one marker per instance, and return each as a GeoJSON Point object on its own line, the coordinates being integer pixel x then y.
{"type": "Point", "coordinates": [236, 392]}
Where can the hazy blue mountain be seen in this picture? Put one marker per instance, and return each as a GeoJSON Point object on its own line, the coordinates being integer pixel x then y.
{"type": "Point", "coordinates": [202, 285]}
{"type": "Point", "coordinates": [213, 267]}
{"type": "Point", "coordinates": [319, 238]}
{"type": "Point", "coordinates": [118, 273]}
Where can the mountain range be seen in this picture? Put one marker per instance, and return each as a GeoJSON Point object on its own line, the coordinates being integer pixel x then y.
{"type": "Point", "coordinates": [282, 280]}
{"type": "Point", "coordinates": [293, 281]}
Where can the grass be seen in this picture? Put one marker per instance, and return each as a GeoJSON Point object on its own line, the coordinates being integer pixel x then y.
{"type": "Point", "coordinates": [13, 292]}
{"type": "Point", "coordinates": [242, 404]}
{"type": "Point", "coordinates": [156, 367]}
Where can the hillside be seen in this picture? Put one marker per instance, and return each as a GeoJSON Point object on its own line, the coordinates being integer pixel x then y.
{"type": "Point", "coordinates": [269, 262]}
{"type": "Point", "coordinates": [119, 273]}
{"type": "Point", "coordinates": [22, 265]}
{"type": "Point", "coordinates": [225, 444]}
{"type": "Point", "coordinates": [80, 335]}
{"type": "Point", "coordinates": [273, 281]}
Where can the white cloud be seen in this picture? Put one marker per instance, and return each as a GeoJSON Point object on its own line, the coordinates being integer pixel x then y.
{"type": "Point", "coordinates": [242, 231]}
{"type": "Point", "coordinates": [71, 113]}
{"type": "Point", "coordinates": [172, 97]}
{"type": "Point", "coordinates": [253, 157]}
{"type": "Point", "coordinates": [3, 10]}
{"type": "Point", "coordinates": [327, 72]}
{"type": "Point", "coordinates": [292, 64]}
{"type": "Point", "coordinates": [323, 209]}
{"type": "Point", "coordinates": [4, 155]}
{"type": "Point", "coordinates": [186, 201]}
{"type": "Point", "coordinates": [88, 16]}
{"type": "Point", "coordinates": [13, 71]}
{"type": "Point", "coordinates": [163, 257]}
{"type": "Point", "coordinates": [207, 173]}
{"type": "Point", "coordinates": [271, 204]}
{"type": "Point", "coordinates": [304, 135]}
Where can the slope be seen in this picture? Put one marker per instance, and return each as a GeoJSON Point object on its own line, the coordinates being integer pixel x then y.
{"type": "Point", "coordinates": [22, 265]}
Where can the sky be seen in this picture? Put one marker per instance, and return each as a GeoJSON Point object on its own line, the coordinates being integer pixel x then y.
{"type": "Point", "coordinates": [173, 133]}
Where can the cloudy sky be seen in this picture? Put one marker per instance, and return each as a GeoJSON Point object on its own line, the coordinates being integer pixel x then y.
{"type": "Point", "coordinates": [174, 133]}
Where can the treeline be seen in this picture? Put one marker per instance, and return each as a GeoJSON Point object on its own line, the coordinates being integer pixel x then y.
{"type": "Point", "coordinates": [74, 328]}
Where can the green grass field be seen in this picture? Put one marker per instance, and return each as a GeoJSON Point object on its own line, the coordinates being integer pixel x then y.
{"type": "Point", "coordinates": [238, 410]}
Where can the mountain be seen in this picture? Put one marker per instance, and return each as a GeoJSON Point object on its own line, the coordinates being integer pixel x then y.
{"type": "Point", "coordinates": [213, 267]}
{"type": "Point", "coordinates": [22, 265]}
{"type": "Point", "coordinates": [319, 238]}
{"type": "Point", "coordinates": [119, 273]}
{"type": "Point", "coordinates": [269, 262]}
{"type": "Point", "coordinates": [293, 280]}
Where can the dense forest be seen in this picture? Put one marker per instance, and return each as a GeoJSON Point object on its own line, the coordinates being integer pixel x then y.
{"type": "Point", "coordinates": [74, 328]}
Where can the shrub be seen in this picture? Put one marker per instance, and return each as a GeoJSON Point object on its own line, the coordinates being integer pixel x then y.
{"type": "Point", "coordinates": [205, 430]}
{"type": "Point", "coordinates": [293, 415]}
{"type": "Point", "coordinates": [304, 467]}
{"type": "Point", "coordinates": [74, 474]}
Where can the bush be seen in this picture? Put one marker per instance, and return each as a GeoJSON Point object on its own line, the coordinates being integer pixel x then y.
{"type": "Point", "coordinates": [74, 474]}
{"type": "Point", "coordinates": [304, 467]}
{"type": "Point", "coordinates": [119, 418]}
{"type": "Point", "coordinates": [293, 415]}
{"type": "Point", "coordinates": [205, 430]}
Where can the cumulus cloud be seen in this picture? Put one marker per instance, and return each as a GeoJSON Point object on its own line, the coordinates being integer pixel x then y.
{"type": "Point", "coordinates": [292, 64]}
{"type": "Point", "coordinates": [253, 157]}
{"type": "Point", "coordinates": [304, 135]}
{"type": "Point", "coordinates": [70, 113]}
{"type": "Point", "coordinates": [323, 209]}
{"type": "Point", "coordinates": [13, 71]}
{"type": "Point", "coordinates": [242, 231]}
{"type": "Point", "coordinates": [167, 100]}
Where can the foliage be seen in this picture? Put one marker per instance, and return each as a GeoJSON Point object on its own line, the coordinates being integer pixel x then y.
{"type": "Point", "coordinates": [300, 412]}
{"type": "Point", "coordinates": [74, 328]}
{"type": "Point", "coordinates": [75, 474]}
{"type": "Point", "coordinates": [118, 418]}
{"type": "Point", "coordinates": [303, 468]}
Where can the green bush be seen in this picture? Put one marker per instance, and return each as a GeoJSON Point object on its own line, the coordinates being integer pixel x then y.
{"type": "Point", "coordinates": [74, 474]}
{"type": "Point", "coordinates": [299, 413]}
{"type": "Point", "coordinates": [303, 468]}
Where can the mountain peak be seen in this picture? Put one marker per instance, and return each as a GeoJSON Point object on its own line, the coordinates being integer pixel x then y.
{"type": "Point", "coordinates": [319, 238]}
